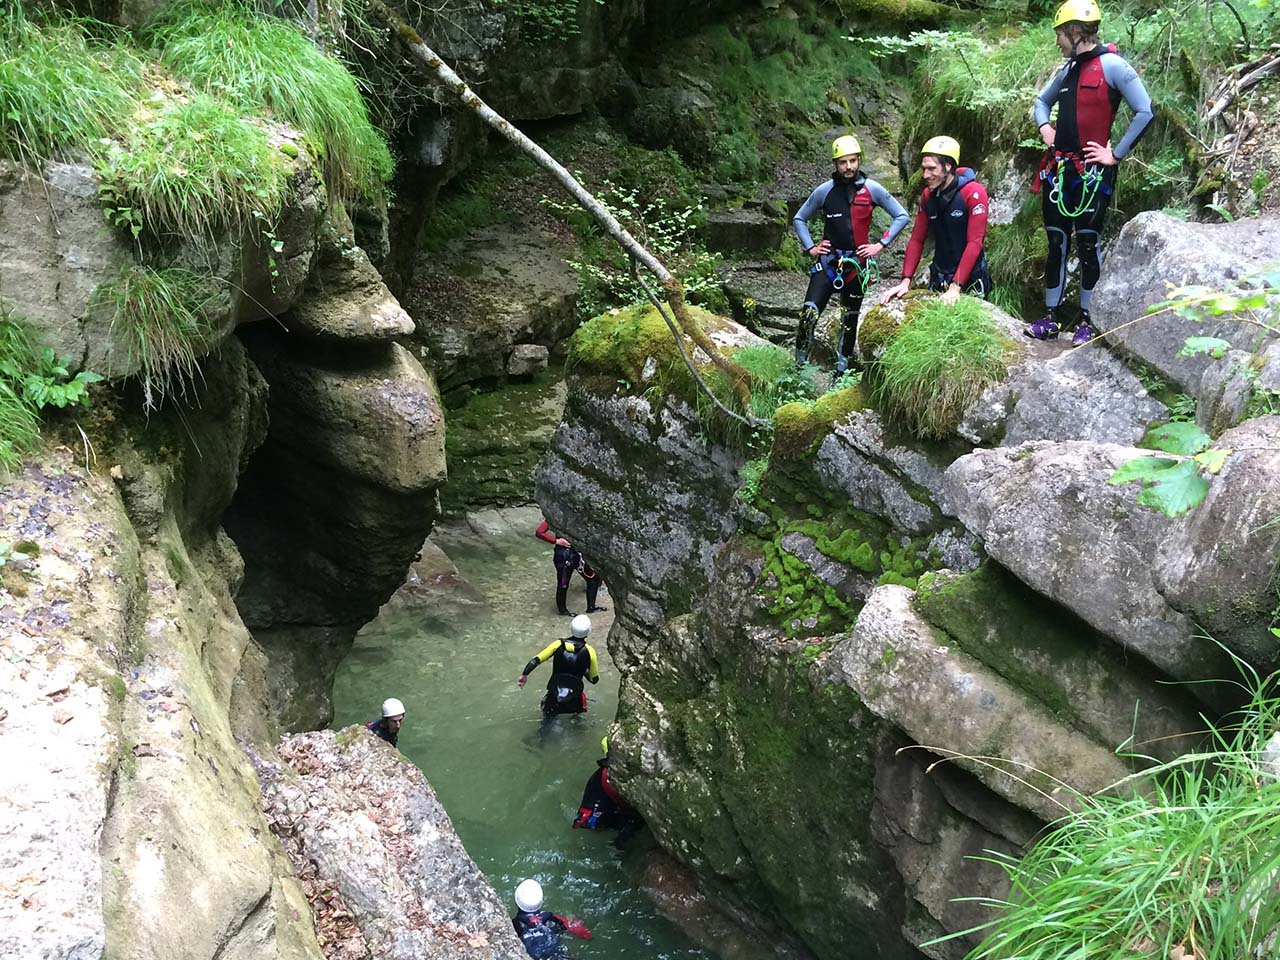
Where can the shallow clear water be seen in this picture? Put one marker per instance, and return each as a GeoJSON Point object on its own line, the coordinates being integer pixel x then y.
{"type": "Point", "coordinates": [510, 783]}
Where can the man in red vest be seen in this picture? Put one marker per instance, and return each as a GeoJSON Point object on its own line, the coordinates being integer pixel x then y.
{"type": "Point", "coordinates": [1079, 171]}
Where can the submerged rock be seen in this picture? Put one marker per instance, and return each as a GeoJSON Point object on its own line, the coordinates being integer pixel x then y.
{"type": "Point", "coordinates": [380, 862]}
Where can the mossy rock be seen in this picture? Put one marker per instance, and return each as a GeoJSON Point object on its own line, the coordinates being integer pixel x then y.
{"type": "Point", "coordinates": [635, 345]}
{"type": "Point", "coordinates": [883, 321]}
{"type": "Point", "coordinates": [799, 427]}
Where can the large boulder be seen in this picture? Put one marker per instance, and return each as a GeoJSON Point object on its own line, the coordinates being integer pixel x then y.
{"type": "Point", "coordinates": [56, 251]}
{"type": "Point", "coordinates": [350, 302]}
{"type": "Point", "coordinates": [1080, 395]}
{"type": "Point", "coordinates": [1155, 251]}
{"type": "Point", "coordinates": [370, 839]}
{"type": "Point", "coordinates": [335, 504]}
{"type": "Point", "coordinates": [908, 673]}
{"type": "Point", "coordinates": [1219, 567]}
{"type": "Point", "coordinates": [1047, 513]}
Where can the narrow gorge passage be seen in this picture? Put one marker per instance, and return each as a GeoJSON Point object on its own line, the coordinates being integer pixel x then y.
{"type": "Point", "coordinates": [510, 786]}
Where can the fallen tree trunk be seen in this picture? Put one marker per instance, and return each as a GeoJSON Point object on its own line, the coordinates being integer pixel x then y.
{"type": "Point", "coordinates": [672, 288]}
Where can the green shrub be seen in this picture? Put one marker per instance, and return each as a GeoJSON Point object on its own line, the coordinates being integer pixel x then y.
{"type": "Point", "coordinates": [192, 169]}
{"type": "Point", "coordinates": [58, 90]}
{"type": "Point", "coordinates": [159, 316]}
{"type": "Point", "coordinates": [1179, 861]}
{"type": "Point", "coordinates": [251, 61]}
{"type": "Point", "coordinates": [940, 362]}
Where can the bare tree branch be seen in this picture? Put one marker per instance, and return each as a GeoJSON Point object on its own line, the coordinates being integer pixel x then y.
{"type": "Point", "coordinates": [672, 288]}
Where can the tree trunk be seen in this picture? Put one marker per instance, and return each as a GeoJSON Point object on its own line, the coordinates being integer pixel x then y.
{"type": "Point", "coordinates": [671, 285]}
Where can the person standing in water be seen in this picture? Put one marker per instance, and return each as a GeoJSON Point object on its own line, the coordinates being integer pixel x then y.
{"type": "Point", "coordinates": [540, 930]}
{"type": "Point", "coordinates": [567, 560]}
{"type": "Point", "coordinates": [388, 727]}
{"type": "Point", "coordinates": [572, 661]}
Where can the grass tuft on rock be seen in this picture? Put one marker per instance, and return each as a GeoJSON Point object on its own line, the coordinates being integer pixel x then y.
{"type": "Point", "coordinates": [249, 60]}
{"type": "Point", "coordinates": [938, 364]}
{"type": "Point", "coordinates": [160, 317]}
{"type": "Point", "coordinates": [191, 169]}
{"type": "Point", "coordinates": [776, 379]}
{"type": "Point", "coordinates": [59, 91]}
{"type": "Point", "coordinates": [1180, 861]}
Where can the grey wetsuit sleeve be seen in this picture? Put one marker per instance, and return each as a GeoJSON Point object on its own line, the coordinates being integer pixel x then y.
{"type": "Point", "coordinates": [889, 203]}
{"type": "Point", "coordinates": [1047, 97]}
{"type": "Point", "coordinates": [810, 208]}
{"type": "Point", "coordinates": [1121, 76]}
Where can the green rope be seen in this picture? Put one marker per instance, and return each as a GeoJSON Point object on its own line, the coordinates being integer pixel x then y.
{"type": "Point", "coordinates": [1091, 183]}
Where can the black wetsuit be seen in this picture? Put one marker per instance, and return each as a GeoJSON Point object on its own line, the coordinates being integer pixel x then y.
{"type": "Point", "coordinates": [572, 661]}
{"type": "Point", "coordinates": [602, 807]}
{"type": "Point", "coordinates": [380, 729]}
{"type": "Point", "coordinates": [540, 933]}
{"type": "Point", "coordinates": [567, 560]}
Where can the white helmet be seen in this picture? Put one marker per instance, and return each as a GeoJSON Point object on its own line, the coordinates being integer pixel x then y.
{"type": "Point", "coordinates": [581, 626]}
{"type": "Point", "coordinates": [529, 895]}
{"type": "Point", "coordinates": [391, 707]}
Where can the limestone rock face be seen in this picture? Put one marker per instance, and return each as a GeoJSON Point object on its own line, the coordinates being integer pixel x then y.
{"type": "Point", "coordinates": [334, 506]}
{"type": "Point", "coordinates": [366, 833]}
{"type": "Point", "coordinates": [133, 826]}
{"type": "Point", "coordinates": [1154, 249]}
{"type": "Point", "coordinates": [56, 250]}
{"type": "Point", "coordinates": [1081, 395]}
{"type": "Point", "coordinates": [488, 292]}
{"type": "Point", "coordinates": [352, 302]}
{"type": "Point", "coordinates": [1046, 512]}
{"type": "Point", "coordinates": [1218, 568]}
{"type": "Point", "coordinates": [650, 505]}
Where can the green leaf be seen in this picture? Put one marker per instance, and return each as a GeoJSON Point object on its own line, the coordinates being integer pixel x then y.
{"type": "Point", "coordinates": [1211, 460]}
{"type": "Point", "coordinates": [1171, 486]}
{"type": "Point", "coordinates": [1214, 346]}
{"type": "Point", "coordinates": [1183, 438]}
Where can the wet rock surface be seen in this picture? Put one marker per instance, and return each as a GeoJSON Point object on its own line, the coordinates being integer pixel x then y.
{"type": "Point", "coordinates": [380, 863]}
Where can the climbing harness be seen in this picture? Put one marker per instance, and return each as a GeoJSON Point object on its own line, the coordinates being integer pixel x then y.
{"type": "Point", "coordinates": [845, 266]}
{"type": "Point", "coordinates": [1091, 181]}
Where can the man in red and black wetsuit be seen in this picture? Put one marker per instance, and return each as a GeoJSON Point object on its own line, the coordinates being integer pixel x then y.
{"type": "Point", "coordinates": [954, 209]}
{"type": "Point", "coordinates": [1079, 172]}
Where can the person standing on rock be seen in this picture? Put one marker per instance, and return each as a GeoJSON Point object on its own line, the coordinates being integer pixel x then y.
{"type": "Point", "coordinates": [1078, 173]}
{"type": "Point", "coordinates": [572, 661]}
{"type": "Point", "coordinates": [540, 930]}
{"type": "Point", "coordinates": [953, 208]}
{"type": "Point", "coordinates": [388, 727]}
{"type": "Point", "coordinates": [845, 255]}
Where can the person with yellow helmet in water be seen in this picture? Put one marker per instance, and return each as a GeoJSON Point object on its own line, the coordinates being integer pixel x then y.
{"type": "Point", "coordinates": [1078, 175]}
{"type": "Point", "coordinates": [845, 254]}
{"type": "Point", "coordinates": [953, 208]}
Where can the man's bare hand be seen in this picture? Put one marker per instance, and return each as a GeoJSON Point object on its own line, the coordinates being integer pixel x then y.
{"type": "Point", "coordinates": [897, 291]}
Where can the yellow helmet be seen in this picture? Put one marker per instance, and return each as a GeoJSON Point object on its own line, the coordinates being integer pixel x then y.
{"type": "Point", "coordinates": [945, 146]}
{"type": "Point", "coordinates": [1078, 11]}
{"type": "Point", "coordinates": [604, 744]}
{"type": "Point", "coordinates": [843, 146]}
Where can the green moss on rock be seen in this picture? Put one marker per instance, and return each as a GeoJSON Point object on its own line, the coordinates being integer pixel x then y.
{"type": "Point", "coordinates": [798, 427]}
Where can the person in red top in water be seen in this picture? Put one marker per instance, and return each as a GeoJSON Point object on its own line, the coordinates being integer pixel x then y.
{"type": "Point", "coordinates": [954, 209]}
{"type": "Point", "coordinates": [567, 560]}
{"type": "Point", "coordinates": [1079, 171]}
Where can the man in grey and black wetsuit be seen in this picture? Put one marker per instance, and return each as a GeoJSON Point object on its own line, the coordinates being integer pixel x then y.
{"type": "Point", "coordinates": [845, 255]}
{"type": "Point", "coordinates": [1079, 171]}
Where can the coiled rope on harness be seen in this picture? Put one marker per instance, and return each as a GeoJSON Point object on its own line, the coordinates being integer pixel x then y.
{"type": "Point", "coordinates": [1091, 179]}
{"type": "Point", "coordinates": [845, 266]}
